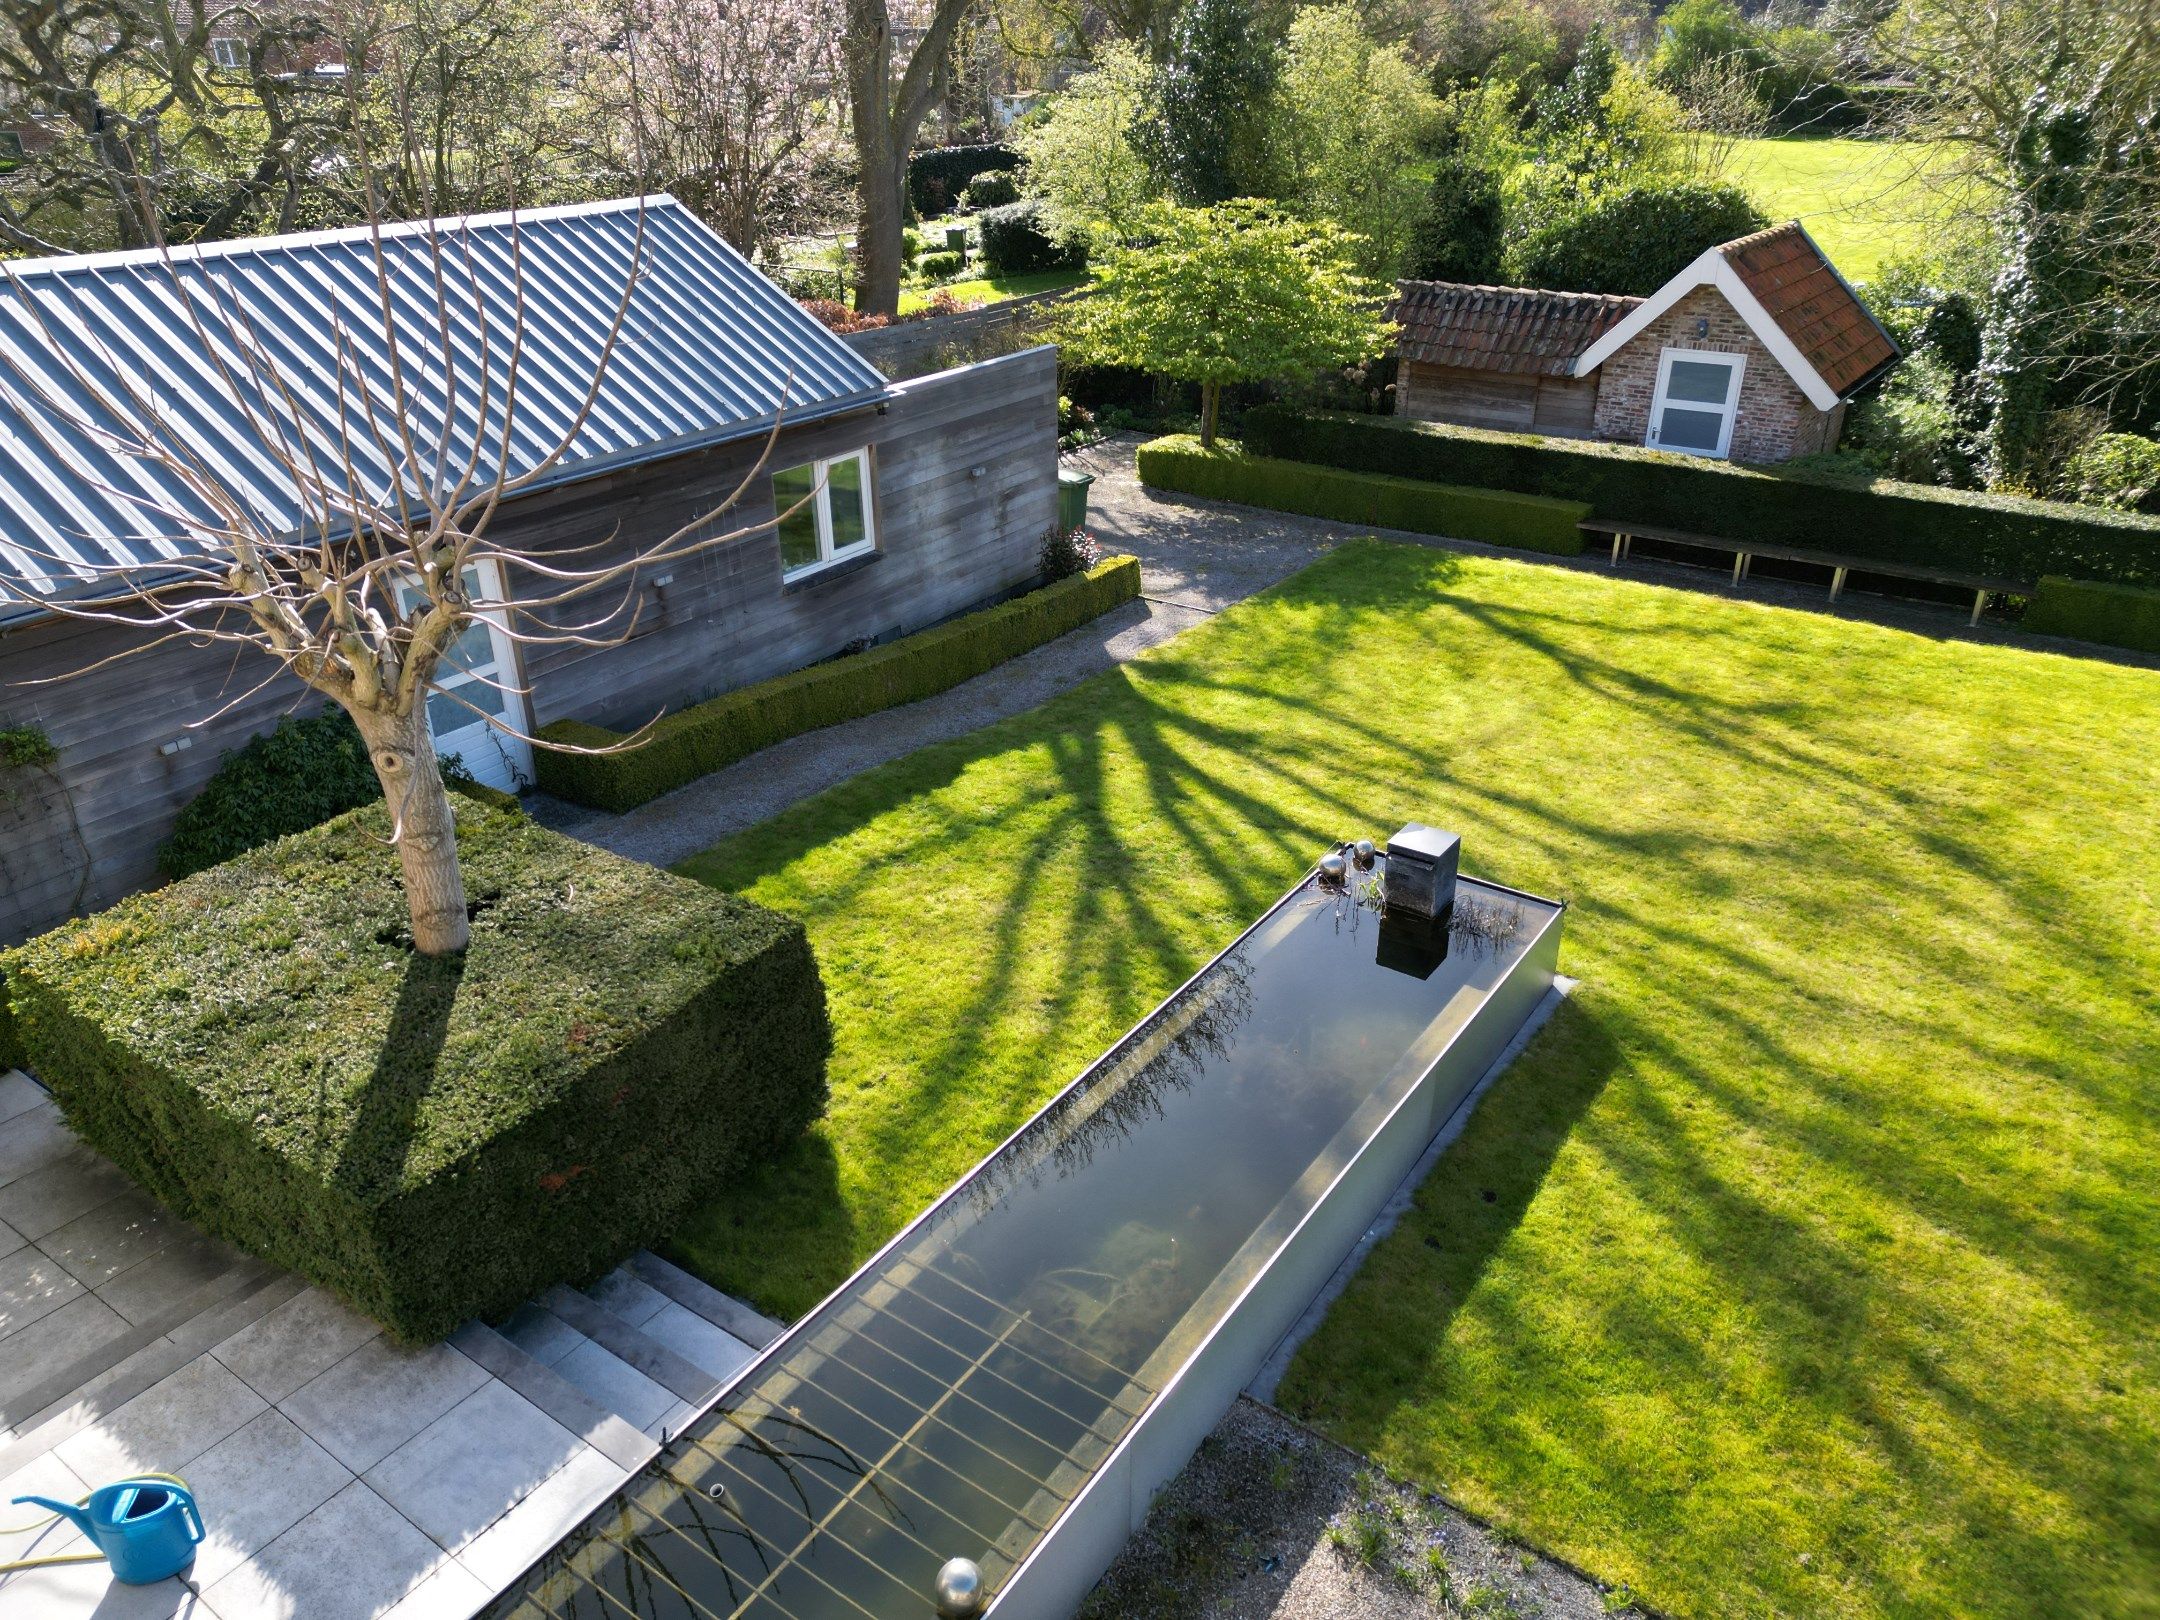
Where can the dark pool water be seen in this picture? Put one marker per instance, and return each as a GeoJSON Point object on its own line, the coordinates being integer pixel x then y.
{"type": "Point", "coordinates": [956, 1395]}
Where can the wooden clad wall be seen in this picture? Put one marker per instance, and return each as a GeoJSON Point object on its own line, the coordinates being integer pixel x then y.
{"type": "Point", "coordinates": [965, 465]}
{"type": "Point", "coordinates": [1510, 401]}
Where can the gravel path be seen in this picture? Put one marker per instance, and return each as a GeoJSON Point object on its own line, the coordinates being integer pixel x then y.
{"type": "Point", "coordinates": [1197, 558]}
{"type": "Point", "coordinates": [1271, 1522]}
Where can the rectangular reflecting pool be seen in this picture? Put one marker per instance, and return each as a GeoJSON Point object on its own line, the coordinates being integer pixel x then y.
{"type": "Point", "coordinates": [1017, 1371]}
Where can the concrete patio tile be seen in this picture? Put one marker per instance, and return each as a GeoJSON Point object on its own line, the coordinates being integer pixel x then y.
{"type": "Point", "coordinates": [19, 1094]}
{"type": "Point", "coordinates": [631, 1298]}
{"type": "Point", "coordinates": [452, 1593]}
{"type": "Point", "coordinates": [501, 1552]}
{"type": "Point", "coordinates": [72, 1183]}
{"type": "Point", "coordinates": [165, 1280]}
{"type": "Point", "coordinates": [689, 1335]}
{"type": "Point", "coordinates": [379, 1397]}
{"type": "Point", "coordinates": [473, 1464]}
{"type": "Point", "coordinates": [32, 1286]}
{"type": "Point", "coordinates": [353, 1558]}
{"type": "Point", "coordinates": [53, 1342]}
{"type": "Point", "coordinates": [541, 1334]}
{"type": "Point", "coordinates": [97, 1246]}
{"type": "Point", "coordinates": [10, 1239]}
{"type": "Point", "coordinates": [89, 1591]}
{"type": "Point", "coordinates": [253, 1486]}
{"type": "Point", "coordinates": [615, 1384]}
{"type": "Point", "coordinates": [166, 1427]}
{"type": "Point", "coordinates": [32, 1138]}
{"type": "Point", "coordinates": [46, 1476]}
{"type": "Point", "coordinates": [308, 1334]}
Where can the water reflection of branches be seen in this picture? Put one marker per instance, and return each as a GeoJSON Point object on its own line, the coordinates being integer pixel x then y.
{"type": "Point", "coordinates": [1165, 1054]}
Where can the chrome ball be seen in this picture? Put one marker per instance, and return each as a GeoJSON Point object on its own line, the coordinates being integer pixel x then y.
{"type": "Point", "coordinates": [959, 1589]}
{"type": "Point", "coordinates": [1363, 852]}
{"type": "Point", "coordinates": [1333, 868]}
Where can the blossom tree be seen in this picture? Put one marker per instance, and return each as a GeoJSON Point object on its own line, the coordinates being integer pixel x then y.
{"type": "Point", "coordinates": [1235, 293]}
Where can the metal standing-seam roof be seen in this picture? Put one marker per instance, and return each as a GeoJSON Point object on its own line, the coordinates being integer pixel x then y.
{"type": "Point", "coordinates": [710, 351]}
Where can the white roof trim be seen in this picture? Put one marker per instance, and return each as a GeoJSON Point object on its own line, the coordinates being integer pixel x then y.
{"type": "Point", "coordinates": [1713, 269]}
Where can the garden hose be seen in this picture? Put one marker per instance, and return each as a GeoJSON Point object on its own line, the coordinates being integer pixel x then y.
{"type": "Point", "coordinates": [36, 1525]}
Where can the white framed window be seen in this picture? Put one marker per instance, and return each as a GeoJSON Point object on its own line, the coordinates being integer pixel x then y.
{"type": "Point", "coordinates": [477, 678]}
{"type": "Point", "coordinates": [825, 514]}
{"type": "Point", "coordinates": [229, 53]}
{"type": "Point", "coordinates": [1697, 401]}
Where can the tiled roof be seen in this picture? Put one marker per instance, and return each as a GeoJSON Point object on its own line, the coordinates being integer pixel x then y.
{"type": "Point", "coordinates": [1812, 305]}
{"type": "Point", "coordinates": [1513, 329]}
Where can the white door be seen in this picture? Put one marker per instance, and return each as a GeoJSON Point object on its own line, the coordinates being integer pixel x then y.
{"type": "Point", "coordinates": [479, 672]}
{"type": "Point", "coordinates": [1697, 402]}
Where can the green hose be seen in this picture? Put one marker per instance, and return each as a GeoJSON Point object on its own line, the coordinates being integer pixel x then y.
{"type": "Point", "coordinates": [36, 1525]}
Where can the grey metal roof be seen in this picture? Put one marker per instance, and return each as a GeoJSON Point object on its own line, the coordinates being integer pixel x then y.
{"type": "Point", "coordinates": [710, 351]}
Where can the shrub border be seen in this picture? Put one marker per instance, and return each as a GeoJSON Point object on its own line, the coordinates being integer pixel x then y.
{"type": "Point", "coordinates": [1495, 517]}
{"type": "Point", "coordinates": [2085, 610]}
{"type": "Point", "coordinates": [700, 739]}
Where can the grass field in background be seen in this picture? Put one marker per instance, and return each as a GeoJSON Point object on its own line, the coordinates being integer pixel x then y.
{"type": "Point", "coordinates": [991, 289]}
{"type": "Point", "coordinates": [1802, 1266]}
{"type": "Point", "coordinates": [1864, 201]}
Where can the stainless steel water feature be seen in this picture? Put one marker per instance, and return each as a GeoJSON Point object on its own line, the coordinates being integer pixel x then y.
{"type": "Point", "coordinates": [1010, 1380]}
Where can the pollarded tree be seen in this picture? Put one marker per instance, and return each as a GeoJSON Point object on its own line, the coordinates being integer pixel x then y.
{"type": "Point", "coordinates": [345, 545]}
{"type": "Point", "coordinates": [1240, 292]}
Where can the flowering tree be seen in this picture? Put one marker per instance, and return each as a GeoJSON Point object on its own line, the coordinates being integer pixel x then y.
{"type": "Point", "coordinates": [728, 104]}
{"type": "Point", "coordinates": [1235, 293]}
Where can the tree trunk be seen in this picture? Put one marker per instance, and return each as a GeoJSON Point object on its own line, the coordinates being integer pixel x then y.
{"type": "Point", "coordinates": [878, 225]}
{"type": "Point", "coordinates": [404, 758]}
{"type": "Point", "coordinates": [1210, 408]}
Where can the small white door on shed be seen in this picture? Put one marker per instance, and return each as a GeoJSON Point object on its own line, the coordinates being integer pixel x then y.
{"type": "Point", "coordinates": [478, 672]}
{"type": "Point", "coordinates": [1697, 402]}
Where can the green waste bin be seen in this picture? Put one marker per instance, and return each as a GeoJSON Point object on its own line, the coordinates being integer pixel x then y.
{"type": "Point", "coordinates": [956, 240]}
{"type": "Point", "coordinates": [1072, 500]}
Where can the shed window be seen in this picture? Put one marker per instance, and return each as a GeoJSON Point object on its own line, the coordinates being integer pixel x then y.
{"type": "Point", "coordinates": [1698, 398]}
{"type": "Point", "coordinates": [824, 509]}
{"type": "Point", "coordinates": [229, 53]}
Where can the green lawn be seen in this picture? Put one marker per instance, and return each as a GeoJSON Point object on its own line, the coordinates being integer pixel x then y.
{"type": "Point", "coordinates": [1864, 201]}
{"type": "Point", "coordinates": [991, 289]}
{"type": "Point", "coordinates": [1804, 1265]}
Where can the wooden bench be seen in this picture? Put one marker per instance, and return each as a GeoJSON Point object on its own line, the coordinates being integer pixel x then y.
{"type": "Point", "coordinates": [1623, 536]}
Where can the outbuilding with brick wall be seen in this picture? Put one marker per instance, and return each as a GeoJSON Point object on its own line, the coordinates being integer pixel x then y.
{"type": "Point", "coordinates": [1752, 352]}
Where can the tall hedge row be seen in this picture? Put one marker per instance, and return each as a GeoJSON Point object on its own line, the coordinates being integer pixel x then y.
{"type": "Point", "coordinates": [430, 1139]}
{"type": "Point", "coordinates": [937, 176]}
{"type": "Point", "coordinates": [1496, 517]}
{"type": "Point", "coordinates": [1911, 524]}
{"type": "Point", "coordinates": [2113, 615]}
{"type": "Point", "coordinates": [692, 742]}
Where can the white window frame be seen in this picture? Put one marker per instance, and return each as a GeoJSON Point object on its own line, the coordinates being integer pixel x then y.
{"type": "Point", "coordinates": [821, 501]}
{"type": "Point", "coordinates": [228, 53]}
{"type": "Point", "coordinates": [1737, 363]}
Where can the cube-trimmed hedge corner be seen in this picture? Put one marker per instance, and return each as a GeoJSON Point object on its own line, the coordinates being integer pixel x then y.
{"type": "Point", "coordinates": [2112, 615]}
{"type": "Point", "coordinates": [430, 1139]}
{"type": "Point", "coordinates": [1496, 517]}
{"type": "Point", "coordinates": [12, 1055]}
{"type": "Point", "coordinates": [692, 742]}
{"type": "Point", "coordinates": [1914, 524]}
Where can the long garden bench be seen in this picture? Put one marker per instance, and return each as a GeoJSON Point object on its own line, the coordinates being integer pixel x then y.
{"type": "Point", "coordinates": [1624, 534]}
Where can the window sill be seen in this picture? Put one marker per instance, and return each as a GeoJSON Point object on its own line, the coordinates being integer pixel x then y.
{"type": "Point", "coordinates": [826, 572]}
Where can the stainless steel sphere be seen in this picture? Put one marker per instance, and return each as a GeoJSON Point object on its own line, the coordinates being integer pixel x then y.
{"type": "Point", "coordinates": [1363, 852]}
{"type": "Point", "coordinates": [1332, 868]}
{"type": "Point", "coordinates": [959, 1589]}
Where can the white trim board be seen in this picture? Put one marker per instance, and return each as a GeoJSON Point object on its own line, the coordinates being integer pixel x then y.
{"type": "Point", "coordinates": [1713, 269]}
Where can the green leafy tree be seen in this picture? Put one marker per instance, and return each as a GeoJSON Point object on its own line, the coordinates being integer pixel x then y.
{"type": "Point", "coordinates": [1209, 137]}
{"type": "Point", "coordinates": [1082, 157]}
{"type": "Point", "coordinates": [1460, 234]}
{"type": "Point", "coordinates": [1350, 119]}
{"type": "Point", "coordinates": [1240, 292]}
{"type": "Point", "coordinates": [1632, 241]}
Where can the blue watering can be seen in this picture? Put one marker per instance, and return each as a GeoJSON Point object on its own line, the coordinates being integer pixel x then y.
{"type": "Point", "coordinates": [146, 1527]}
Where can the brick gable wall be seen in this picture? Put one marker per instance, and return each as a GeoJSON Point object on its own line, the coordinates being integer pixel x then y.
{"type": "Point", "coordinates": [1776, 421]}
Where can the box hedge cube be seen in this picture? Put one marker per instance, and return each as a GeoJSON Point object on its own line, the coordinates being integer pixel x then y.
{"type": "Point", "coordinates": [430, 1138]}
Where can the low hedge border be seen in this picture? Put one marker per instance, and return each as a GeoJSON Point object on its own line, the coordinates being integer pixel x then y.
{"type": "Point", "coordinates": [431, 1139]}
{"type": "Point", "coordinates": [2112, 615]}
{"type": "Point", "coordinates": [695, 741]}
{"type": "Point", "coordinates": [1496, 517]}
{"type": "Point", "coordinates": [1913, 524]}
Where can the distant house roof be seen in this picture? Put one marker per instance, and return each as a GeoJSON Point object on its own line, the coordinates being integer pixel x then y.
{"type": "Point", "coordinates": [1792, 298]}
{"type": "Point", "coordinates": [1512, 329]}
{"type": "Point", "coordinates": [710, 351]}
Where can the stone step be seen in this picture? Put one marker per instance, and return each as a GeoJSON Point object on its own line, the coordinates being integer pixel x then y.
{"type": "Point", "coordinates": [607, 1431]}
{"type": "Point", "coordinates": [730, 1315]}
{"type": "Point", "coordinates": [670, 1369]}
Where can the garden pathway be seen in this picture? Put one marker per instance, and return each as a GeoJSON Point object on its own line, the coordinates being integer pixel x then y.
{"type": "Point", "coordinates": [1197, 557]}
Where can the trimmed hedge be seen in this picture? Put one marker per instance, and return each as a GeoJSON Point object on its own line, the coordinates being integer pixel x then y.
{"type": "Point", "coordinates": [1532, 522]}
{"type": "Point", "coordinates": [1016, 242]}
{"type": "Point", "coordinates": [430, 1139]}
{"type": "Point", "coordinates": [2113, 615]}
{"type": "Point", "coordinates": [1913, 524]}
{"type": "Point", "coordinates": [937, 177]}
{"type": "Point", "coordinates": [12, 1055]}
{"type": "Point", "coordinates": [701, 739]}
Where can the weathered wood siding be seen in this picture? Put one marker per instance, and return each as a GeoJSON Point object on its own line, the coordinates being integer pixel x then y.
{"type": "Point", "coordinates": [965, 475]}
{"type": "Point", "coordinates": [1511, 401]}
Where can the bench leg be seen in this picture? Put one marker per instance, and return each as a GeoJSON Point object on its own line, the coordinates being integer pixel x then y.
{"type": "Point", "coordinates": [1979, 602]}
{"type": "Point", "coordinates": [1739, 566]}
{"type": "Point", "coordinates": [1616, 551]}
{"type": "Point", "coordinates": [1837, 583]}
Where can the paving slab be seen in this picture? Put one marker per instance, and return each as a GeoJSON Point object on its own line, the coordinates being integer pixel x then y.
{"type": "Point", "coordinates": [100, 1244]}
{"type": "Point", "coordinates": [19, 1094]}
{"type": "Point", "coordinates": [159, 1284]}
{"type": "Point", "coordinates": [302, 1338]}
{"type": "Point", "coordinates": [379, 1397]}
{"type": "Point", "coordinates": [253, 1486]}
{"type": "Point", "coordinates": [352, 1558]}
{"type": "Point", "coordinates": [166, 1427]}
{"type": "Point", "coordinates": [473, 1464]}
{"type": "Point", "coordinates": [32, 1286]}
{"type": "Point", "coordinates": [688, 1334]}
{"type": "Point", "coordinates": [72, 1182]}
{"type": "Point", "coordinates": [541, 1334]}
{"type": "Point", "coordinates": [616, 1385]}
{"type": "Point", "coordinates": [64, 1337]}
{"type": "Point", "coordinates": [628, 1297]}
{"type": "Point", "coordinates": [503, 1551]}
